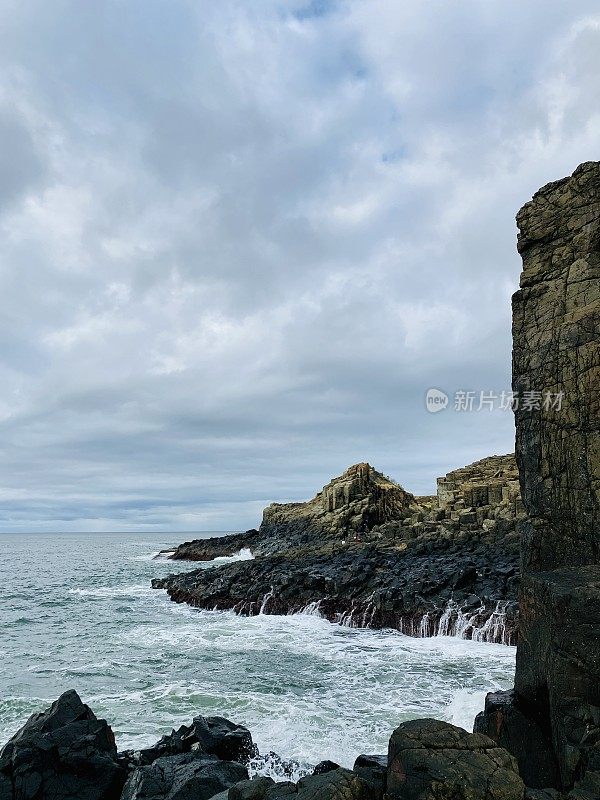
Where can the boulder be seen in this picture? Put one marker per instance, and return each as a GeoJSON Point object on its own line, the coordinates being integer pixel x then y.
{"type": "Point", "coordinates": [338, 784]}
{"type": "Point", "coordinates": [325, 766]}
{"type": "Point", "coordinates": [254, 789]}
{"type": "Point", "coordinates": [214, 735]}
{"type": "Point", "coordinates": [63, 753]}
{"type": "Point", "coordinates": [432, 760]}
{"type": "Point", "coordinates": [187, 776]}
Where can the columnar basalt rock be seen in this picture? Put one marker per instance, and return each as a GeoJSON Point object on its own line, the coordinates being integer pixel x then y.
{"type": "Point", "coordinates": [490, 483]}
{"type": "Point", "coordinates": [355, 501]}
{"type": "Point", "coordinates": [556, 363]}
{"type": "Point", "coordinates": [367, 553]}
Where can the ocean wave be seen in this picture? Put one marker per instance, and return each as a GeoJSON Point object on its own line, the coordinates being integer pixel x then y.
{"type": "Point", "coordinates": [245, 554]}
{"type": "Point", "coordinates": [112, 591]}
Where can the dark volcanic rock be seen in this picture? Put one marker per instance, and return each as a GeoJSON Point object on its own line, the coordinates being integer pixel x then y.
{"type": "Point", "coordinates": [63, 753]}
{"type": "Point", "coordinates": [188, 776]}
{"type": "Point", "coordinates": [373, 770]}
{"type": "Point", "coordinates": [510, 722]}
{"type": "Point", "coordinates": [365, 552]}
{"type": "Point", "coordinates": [556, 351]}
{"type": "Point", "coordinates": [213, 735]}
{"type": "Point", "coordinates": [431, 760]}
{"type": "Point", "coordinates": [215, 547]}
{"type": "Point", "coordinates": [378, 584]}
{"type": "Point", "coordinates": [338, 784]}
{"type": "Point", "coordinates": [556, 332]}
{"type": "Point", "coordinates": [254, 789]}
{"type": "Point", "coordinates": [325, 766]}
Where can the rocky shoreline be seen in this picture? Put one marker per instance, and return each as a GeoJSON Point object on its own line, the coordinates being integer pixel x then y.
{"type": "Point", "coordinates": [67, 753]}
{"type": "Point", "coordinates": [366, 553]}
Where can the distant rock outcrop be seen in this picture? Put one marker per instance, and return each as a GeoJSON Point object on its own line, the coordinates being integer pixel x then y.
{"type": "Point", "coordinates": [556, 356]}
{"type": "Point", "coordinates": [492, 482]}
{"type": "Point", "coordinates": [357, 500]}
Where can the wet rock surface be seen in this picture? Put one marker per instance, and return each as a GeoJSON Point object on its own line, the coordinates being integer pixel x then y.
{"type": "Point", "coordinates": [418, 588]}
{"type": "Point", "coordinates": [188, 776]}
{"type": "Point", "coordinates": [427, 760]}
{"type": "Point", "coordinates": [513, 727]}
{"type": "Point", "coordinates": [215, 547]}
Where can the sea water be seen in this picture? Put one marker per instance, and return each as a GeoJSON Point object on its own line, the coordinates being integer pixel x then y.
{"type": "Point", "coordinates": [77, 611]}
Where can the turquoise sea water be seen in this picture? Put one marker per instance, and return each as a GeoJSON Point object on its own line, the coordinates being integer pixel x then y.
{"type": "Point", "coordinates": [77, 611]}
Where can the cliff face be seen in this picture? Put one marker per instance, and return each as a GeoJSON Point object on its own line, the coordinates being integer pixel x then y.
{"type": "Point", "coordinates": [551, 722]}
{"type": "Point", "coordinates": [556, 327]}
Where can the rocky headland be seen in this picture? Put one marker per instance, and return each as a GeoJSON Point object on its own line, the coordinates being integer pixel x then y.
{"type": "Point", "coordinates": [364, 552]}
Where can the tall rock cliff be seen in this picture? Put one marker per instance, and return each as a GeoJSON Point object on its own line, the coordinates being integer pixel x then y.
{"type": "Point", "coordinates": [551, 722]}
{"type": "Point", "coordinates": [556, 328]}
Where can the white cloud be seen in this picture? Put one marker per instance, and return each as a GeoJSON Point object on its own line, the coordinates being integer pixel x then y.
{"type": "Point", "coordinates": [239, 242]}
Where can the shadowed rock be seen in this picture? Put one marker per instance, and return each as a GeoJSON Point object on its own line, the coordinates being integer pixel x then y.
{"type": "Point", "coordinates": [188, 776]}
{"type": "Point", "coordinates": [212, 735]}
{"type": "Point", "coordinates": [63, 753]}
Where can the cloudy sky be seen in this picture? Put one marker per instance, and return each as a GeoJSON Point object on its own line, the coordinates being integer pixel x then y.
{"type": "Point", "coordinates": [239, 241]}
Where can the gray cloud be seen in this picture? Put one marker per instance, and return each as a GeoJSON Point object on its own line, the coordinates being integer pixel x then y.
{"type": "Point", "coordinates": [239, 242]}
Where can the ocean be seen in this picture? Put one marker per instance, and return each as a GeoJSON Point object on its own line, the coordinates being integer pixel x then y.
{"type": "Point", "coordinates": [77, 611]}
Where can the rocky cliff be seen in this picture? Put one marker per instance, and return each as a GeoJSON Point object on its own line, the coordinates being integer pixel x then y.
{"type": "Point", "coordinates": [551, 722]}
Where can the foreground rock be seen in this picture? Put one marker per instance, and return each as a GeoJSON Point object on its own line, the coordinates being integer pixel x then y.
{"type": "Point", "coordinates": [65, 752]}
{"type": "Point", "coordinates": [431, 760]}
{"type": "Point", "coordinates": [556, 335]}
{"type": "Point", "coordinates": [444, 564]}
{"type": "Point", "coordinates": [215, 736]}
{"type": "Point", "coordinates": [188, 776]}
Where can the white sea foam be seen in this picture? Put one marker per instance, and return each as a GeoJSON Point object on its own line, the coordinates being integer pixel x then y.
{"type": "Point", "coordinates": [245, 554]}
{"type": "Point", "coordinates": [112, 591]}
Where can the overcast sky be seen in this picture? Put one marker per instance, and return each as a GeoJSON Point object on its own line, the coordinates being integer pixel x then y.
{"type": "Point", "coordinates": [240, 240]}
